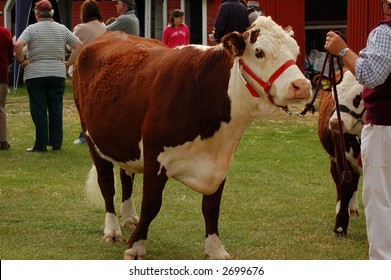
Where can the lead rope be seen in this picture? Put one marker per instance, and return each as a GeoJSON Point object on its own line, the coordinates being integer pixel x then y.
{"type": "Point", "coordinates": [346, 174]}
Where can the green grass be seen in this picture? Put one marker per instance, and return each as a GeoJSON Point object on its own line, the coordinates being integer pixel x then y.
{"type": "Point", "coordinates": [278, 204]}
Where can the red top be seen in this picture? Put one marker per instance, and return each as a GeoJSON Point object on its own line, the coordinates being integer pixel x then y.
{"type": "Point", "coordinates": [6, 53]}
{"type": "Point", "coordinates": [176, 36]}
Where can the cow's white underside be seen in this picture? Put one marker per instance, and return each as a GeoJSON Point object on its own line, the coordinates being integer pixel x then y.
{"type": "Point", "coordinates": [201, 164]}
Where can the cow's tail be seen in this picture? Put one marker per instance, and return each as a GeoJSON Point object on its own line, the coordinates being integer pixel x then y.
{"type": "Point", "coordinates": [93, 193]}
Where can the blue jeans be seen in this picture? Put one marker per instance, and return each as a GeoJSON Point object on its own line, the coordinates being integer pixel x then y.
{"type": "Point", "coordinates": [46, 106]}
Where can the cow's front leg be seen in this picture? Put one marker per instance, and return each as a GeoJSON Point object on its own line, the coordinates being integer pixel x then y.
{"type": "Point", "coordinates": [214, 249]}
{"type": "Point", "coordinates": [128, 213]}
{"type": "Point", "coordinates": [347, 191]}
{"type": "Point", "coordinates": [153, 186]}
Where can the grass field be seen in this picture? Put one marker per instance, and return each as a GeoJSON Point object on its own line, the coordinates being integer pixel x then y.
{"type": "Point", "coordinates": [278, 204]}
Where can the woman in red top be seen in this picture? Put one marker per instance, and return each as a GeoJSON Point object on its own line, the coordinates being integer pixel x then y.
{"type": "Point", "coordinates": [176, 33]}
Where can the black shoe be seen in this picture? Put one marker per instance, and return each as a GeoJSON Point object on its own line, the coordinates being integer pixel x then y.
{"type": "Point", "coordinates": [4, 145]}
{"type": "Point", "coordinates": [37, 150]}
{"type": "Point", "coordinates": [56, 148]}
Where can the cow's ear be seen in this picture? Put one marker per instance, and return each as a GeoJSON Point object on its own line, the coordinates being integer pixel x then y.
{"type": "Point", "coordinates": [234, 43]}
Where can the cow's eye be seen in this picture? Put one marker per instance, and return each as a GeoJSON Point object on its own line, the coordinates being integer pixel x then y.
{"type": "Point", "coordinates": [357, 100]}
{"type": "Point", "coordinates": [259, 53]}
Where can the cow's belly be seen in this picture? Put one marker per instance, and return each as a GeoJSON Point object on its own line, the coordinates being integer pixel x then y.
{"type": "Point", "coordinates": [200, 164]}
{"type": "Point", "coordinates": [131, 166]}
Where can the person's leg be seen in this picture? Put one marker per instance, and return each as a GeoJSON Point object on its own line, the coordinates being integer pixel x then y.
{"type": "Point", "coordinates": [81, 139]}
{"type": "Point", "coordinates": [3, 117]}
{"type": "Point", "coordinates": [56, 88]}
{"type": "Point", "coordinates": [38, 109]}
{"type": "Point", "coordinates": [376, 155]}
{"type": "Point", "coordinates": [3, 123]}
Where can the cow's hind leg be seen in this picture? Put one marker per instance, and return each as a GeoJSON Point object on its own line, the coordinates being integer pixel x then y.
{"type": "Point", "coordinates": [153, 186]}
{"type": "Point", "coordinates": [214, 249]}
{"type": "Point", "coordinates": [128, 213]}
{"type": "Point", "coordinates": [105, 174]}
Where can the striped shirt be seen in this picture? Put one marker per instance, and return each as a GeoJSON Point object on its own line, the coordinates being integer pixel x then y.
{"type": "Point", "coordinates": [46, 46]}
{"type": "Point", "coordinates": [374, 64]}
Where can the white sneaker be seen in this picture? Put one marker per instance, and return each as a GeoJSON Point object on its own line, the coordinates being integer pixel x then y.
{"type": "Point", "coordinates": [78, 141]}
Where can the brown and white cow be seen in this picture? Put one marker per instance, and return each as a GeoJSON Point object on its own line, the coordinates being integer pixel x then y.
{"type": "Point", "coordinates": [352, 117]}
{"type": "Point", "coordinates": [178, 113]}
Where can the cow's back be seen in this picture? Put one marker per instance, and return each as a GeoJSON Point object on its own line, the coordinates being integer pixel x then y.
{"type": "Point", "coordinates": [129, 89]}
{"type": "Point", "coordinates": [103, 78]}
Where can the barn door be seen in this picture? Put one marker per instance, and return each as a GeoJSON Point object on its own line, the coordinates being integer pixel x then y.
{"type": "Point", "coordinates": [194, 20]}
{"type": "Point", "coordinates": [150, 14]}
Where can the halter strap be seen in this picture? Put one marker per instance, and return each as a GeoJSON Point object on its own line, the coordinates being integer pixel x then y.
{"type": "Point", "coordinates": [265, 85]}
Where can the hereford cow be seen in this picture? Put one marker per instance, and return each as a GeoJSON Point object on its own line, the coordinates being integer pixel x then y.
{"type": "Point", "coordinates": [352, 117]}
{"type": "Point", "coordinates": [178, 113]}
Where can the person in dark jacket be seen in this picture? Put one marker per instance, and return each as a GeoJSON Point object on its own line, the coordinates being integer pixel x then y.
{"type": "Point", "coordinates": [231, 16]}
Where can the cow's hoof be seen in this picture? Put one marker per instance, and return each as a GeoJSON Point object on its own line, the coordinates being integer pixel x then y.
{"type": "Point", "coordinates": [129, 225]}
{"type": "Point", "coordinates": [224, 256]}
{"type": "Point", "coordinates": [137, 251]}
{"type": "Point", "coordinates": [340, 232]}
{"type": "Point", "coordinates": [354, 213]}
{"type": "Point", "coordinates": [113, 239]}
{"type": "Point", "coordinates": [113, 236]}
{"type": "Point", "coordinates": [214, 249]}
{"type": "Point", "coordinates": [132, 258]}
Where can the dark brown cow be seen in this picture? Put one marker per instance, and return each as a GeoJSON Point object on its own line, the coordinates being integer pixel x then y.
{"type": "Point", "coordinates": [352, 116]}
{"type": "Point", "coordinates": [178, 113]}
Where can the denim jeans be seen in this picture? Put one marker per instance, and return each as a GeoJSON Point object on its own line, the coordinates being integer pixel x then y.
{"type": "Point", "coordinates": [46, 108]}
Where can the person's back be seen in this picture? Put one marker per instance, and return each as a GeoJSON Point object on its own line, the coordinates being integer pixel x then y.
{"type": "Point", "coordinates": [127, 21]}
{"type": "Point", "coordinates": [89, 31]}
{"type": "Point", "coordinates": [91, 25]}
{"type": "Point", "coordinates": [231, 16]}
{"type": "Point", "coordinates": [253, 11]}
{"type": "Point", "coordinates": [45, 49]}
{"type": "Point", "coordinates": [45, 73]}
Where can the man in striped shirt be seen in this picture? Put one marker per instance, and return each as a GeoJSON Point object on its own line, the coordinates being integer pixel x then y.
{"type": "Point", "coordinates": [372, 69]}
{"type": "Point", "coordinates": [45, 73]}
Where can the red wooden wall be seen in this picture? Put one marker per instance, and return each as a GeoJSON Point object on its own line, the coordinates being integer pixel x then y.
{"type": "Point", "coordinates": [363, 15]}
{"type": "Point", "coordinates": [289, 12]}
{"type": "Point", "coordinates": [172, 5]}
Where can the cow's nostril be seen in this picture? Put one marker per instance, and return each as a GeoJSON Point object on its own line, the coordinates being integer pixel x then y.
{"type": "Point", "coordinates": [301, 85]}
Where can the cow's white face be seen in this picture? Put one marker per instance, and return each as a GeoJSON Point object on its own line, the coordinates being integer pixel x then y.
{"type": "Point", "coordinates": [351, 106]}
{"type": "Point", "coordinates": [268, 47]}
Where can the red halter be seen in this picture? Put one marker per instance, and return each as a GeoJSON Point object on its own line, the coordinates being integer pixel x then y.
{"type": "Point", "coordinates": [265, 85]}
